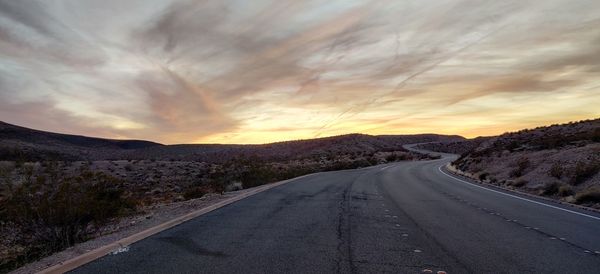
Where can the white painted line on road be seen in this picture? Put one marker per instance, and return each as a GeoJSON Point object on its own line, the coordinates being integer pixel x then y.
{"type": "Point", "coordinates": [520, 198]}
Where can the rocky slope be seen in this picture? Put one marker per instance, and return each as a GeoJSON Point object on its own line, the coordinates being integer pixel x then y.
{"type": "Point", "coordinates": [558, 161]}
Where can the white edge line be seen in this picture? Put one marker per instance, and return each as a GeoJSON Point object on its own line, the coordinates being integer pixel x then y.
{"type": "Point", "coordinates": [517, 197]}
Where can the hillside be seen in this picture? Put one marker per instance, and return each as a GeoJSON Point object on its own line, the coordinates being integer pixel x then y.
{"type": "Point", "coordinates": [32, 145]}
{"type": "Point", "coordinates": [455, 147]}
{"type": "Point", "coordinates": [19, 143]}
{"type": "Point", "coordinates": [558, 161]}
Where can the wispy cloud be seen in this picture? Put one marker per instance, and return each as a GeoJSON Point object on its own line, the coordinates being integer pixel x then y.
{"type": "Point", "coordinates": [259, 71]}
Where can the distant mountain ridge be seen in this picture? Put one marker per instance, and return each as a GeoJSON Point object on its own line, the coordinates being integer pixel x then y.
{"type": "Point", "coordinates": [20, 143]}
{"type": "Point", "coordinates": [9, 131]}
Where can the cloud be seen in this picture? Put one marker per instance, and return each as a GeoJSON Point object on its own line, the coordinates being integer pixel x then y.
{"type": "Point", "coordinates": [30, 32]}
{"type": "Point", "coordinates": [182, 110]}
{"type": "Point", "coordinates": [188, 71]}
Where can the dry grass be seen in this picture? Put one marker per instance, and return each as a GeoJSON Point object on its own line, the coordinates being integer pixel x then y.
{"type": "Point", "coordinates": [590, 195]}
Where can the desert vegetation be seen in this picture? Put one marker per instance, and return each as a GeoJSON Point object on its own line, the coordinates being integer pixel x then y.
{"type": "Point", "coordinates": [44, 209]}
{"type": "Point", "coordinates": [453, 146]}
{"type": "Point", "coordinates": [558, 161]}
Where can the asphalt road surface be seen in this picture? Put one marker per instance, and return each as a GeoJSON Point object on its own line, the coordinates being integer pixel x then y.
{"type": "Point", "coordinates": [396, 218]}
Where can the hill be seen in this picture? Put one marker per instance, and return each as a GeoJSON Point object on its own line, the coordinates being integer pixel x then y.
{"type": "Point", "coordinates": [24, 144]}
{"type": "Point", "coordinates": [557, 161]}
{"type": "Point", "coordinates": [33, 145]}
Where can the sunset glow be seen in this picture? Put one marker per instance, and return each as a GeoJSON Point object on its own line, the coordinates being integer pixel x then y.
{"type": "Point", "coordinates": [265, 71]}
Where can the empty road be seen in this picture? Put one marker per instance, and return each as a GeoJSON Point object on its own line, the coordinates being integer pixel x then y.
{"type": "Point", "coordinates": [396, 218]}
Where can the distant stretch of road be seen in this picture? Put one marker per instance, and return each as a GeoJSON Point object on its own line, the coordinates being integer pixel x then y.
{"type": "Point", "coordinates": [405, 217]}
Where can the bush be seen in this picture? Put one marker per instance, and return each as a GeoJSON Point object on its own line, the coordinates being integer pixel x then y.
{"type": "Point", "coordinates": [522, 164]}
{"type": "Point", "coordinates": [590, 195]}
{"type": "Point", "coordinates": [583, 171]}
{"type": "Point", "coordinates": [565, 190]}
{"type": "Point", "coordinates": [55, 212]}
{"type": "Point", "coordinates": [483, 176]}
{"type": "Point", "coordinates": [391, 158]}
{"type": "Point", "coordinates": [595, 136]}
{"type": "Point", "coordinates": [195, 192]}
{"type": "Point", "coordinates": [556, 170]}
{"type": "Point", "coordinates": [550, 188]}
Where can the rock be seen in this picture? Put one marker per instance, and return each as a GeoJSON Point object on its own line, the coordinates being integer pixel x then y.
{"type": "Point", "coordinates": [569, 199]}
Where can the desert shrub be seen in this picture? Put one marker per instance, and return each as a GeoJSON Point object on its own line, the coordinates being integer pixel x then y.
{"type": "Point", "coordinates": [550, 188]}
{"type": "Point", "coordinates": [391, 158]}
{"type": "Point", "coordinates": [194, 192]}
{"type": "Point", "coordinates": [583, 171]}
{"type": "Point", "coordinates": [512, 145]}
{"type": "Point", "coordinates": [551, 142]}
{"type": "Point", "coordinates": [556, 170]}
{"type": "Point", "coordinates": [590, 195]}
{"type": "Point", "coordinates": [256, 175]}
{"type": "Point", "coordinates": [565, 190]}
{"type": "Point", "coordinates": [595, 136]}
{"type": "Point", "coordinates": [521, 165]}
{"type": "Point", "coordinates": [52, 213]}
{"type": "Point", "coordinates": [483, 176]}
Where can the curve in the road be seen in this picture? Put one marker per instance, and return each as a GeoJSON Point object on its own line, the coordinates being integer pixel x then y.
{"type": "Point", "coordinates": [396, 218]}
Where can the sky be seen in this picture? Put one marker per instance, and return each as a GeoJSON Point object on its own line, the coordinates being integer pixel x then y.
{"type": "Point", "coordinates": [264, 71]}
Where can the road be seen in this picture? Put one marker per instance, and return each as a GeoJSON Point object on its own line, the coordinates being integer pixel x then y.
{"type": "Point", "coordinates": [397, 218]}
